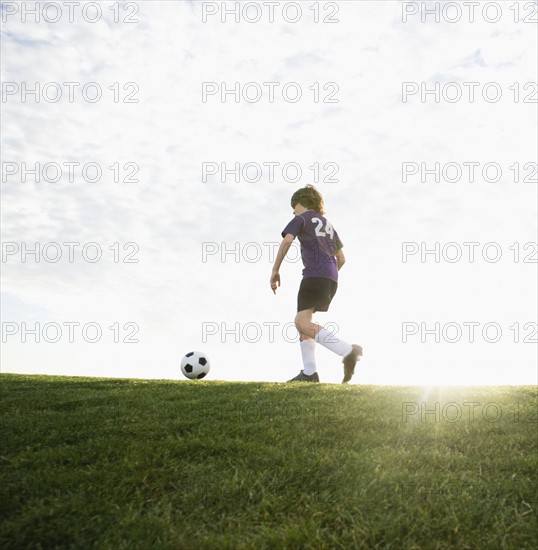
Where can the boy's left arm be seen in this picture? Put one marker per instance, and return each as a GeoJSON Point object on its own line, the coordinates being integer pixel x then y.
{"type": "Point", "coordinates": [340, 259]}
{"type": "Point", "coordinates": [280, 255]}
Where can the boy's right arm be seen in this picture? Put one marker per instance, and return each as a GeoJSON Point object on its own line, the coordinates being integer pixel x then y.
{"type": "Point", "coordinates": [282, 251]}
{"type": "Point", "coordinates": [281, 254]}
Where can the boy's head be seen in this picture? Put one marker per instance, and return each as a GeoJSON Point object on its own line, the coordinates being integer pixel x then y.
{"type": "Point", "coordinates": [309, 197]}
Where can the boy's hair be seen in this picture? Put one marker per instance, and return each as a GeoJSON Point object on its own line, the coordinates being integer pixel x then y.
{"type": "Point", "coordinates": [309, 197]}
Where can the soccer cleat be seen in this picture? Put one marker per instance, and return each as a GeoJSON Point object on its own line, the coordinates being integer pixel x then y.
{"type": "Point", "coordinates": [302, 377]}
{"type": "Point", "coordinates": [350, 360]}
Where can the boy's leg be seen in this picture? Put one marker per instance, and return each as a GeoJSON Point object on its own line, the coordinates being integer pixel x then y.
{"type": "Point", "coordinates": [307, 329]}
{"type": "Point", "coordinates": [308, 349]}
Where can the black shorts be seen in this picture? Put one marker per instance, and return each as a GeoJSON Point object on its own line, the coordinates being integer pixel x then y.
{"type": "Point", "coordinates": [316, 292]}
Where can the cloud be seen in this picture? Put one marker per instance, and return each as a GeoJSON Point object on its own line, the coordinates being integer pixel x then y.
{"type": "Point", "coordinates": [473, 60]}
{"type": "Point", "coordinates": [170, 213]}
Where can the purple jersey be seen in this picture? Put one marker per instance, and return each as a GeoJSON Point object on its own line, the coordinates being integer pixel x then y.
{"type": "Point", "coordinates": [319, 243]}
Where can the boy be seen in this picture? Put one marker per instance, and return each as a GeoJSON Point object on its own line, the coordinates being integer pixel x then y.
{"type": "Point", "coordinates": [321, 252]}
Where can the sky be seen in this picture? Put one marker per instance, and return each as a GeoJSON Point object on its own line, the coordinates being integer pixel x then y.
{"type": "Point", "coordinates": [148, 243]}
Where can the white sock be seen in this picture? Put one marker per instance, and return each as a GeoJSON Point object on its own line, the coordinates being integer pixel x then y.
{"type": "Point", "coordinates": [308, 347]}
{"type": "Point", "coordinates": [331, 342]}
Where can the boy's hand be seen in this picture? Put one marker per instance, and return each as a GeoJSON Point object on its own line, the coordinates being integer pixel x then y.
{"type": "Point", "coordinates": [275, 280]}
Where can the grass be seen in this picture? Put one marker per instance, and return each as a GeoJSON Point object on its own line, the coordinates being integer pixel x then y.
{"type": "Point", "coordinates": [109, 463]}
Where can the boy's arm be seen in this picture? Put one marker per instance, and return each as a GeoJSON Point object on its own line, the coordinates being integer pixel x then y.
{"type": "Point", "coordinates": [340, 259]}
{"type": "Point", "coordinates": [280, 255]}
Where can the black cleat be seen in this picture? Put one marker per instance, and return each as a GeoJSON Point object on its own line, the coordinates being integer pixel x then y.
{"type": "Point", "coordinates": [350, 360]}
{"type": "Point", "coordinates": [302, 377]}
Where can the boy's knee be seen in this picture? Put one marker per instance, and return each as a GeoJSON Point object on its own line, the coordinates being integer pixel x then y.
{"type": "Point", "coordinates": [299, 323]}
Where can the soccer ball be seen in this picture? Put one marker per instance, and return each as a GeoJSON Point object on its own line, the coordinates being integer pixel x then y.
{"type": "Point", "coordinates": [195, 365]}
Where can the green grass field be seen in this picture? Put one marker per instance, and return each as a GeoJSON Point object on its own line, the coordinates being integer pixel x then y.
{"type": "Point", "coordinates": [108, 463]}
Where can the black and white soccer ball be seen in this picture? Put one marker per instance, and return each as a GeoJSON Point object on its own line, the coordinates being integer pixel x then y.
{"type": "Point", "coordinates": [195, 365]}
